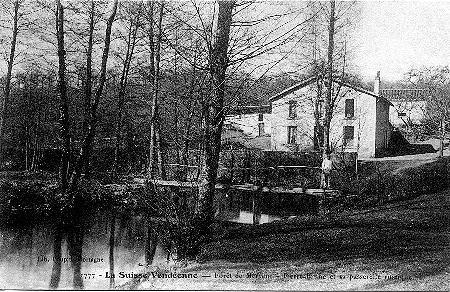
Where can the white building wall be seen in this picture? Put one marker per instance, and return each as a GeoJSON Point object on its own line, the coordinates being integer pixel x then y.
{"type": "Point", "coordinates": [413, 111]}
{"type": "Point", "coordinates": [364, 122]}
{"type": "Point", "coordinates": [367, 133]}
{"type": "Point", "coordinates": [367, 126]}
{"type": "Point", "coordinates": [304, 121]}
{"type": "Point", "coordinates": [249, 123]}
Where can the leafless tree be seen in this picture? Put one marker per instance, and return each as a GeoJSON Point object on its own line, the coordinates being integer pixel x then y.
{"type": "Point", "coordinates": [327, 104]}
{"type": "Point", "coordinates": [10, 62]}
{"type": "Point", "coordinates": [133, 23]}
{"type": "Point", "coordinates": [154, 42]}
{"type": "Point", "coordinates": [436, 81]}
{"type": "Point", "coordinates": [338, 20]}
{"type": "Point", "coordinates": [231, 41]}
{"type": "Point", "coordinates": [65, 133]}
{"type": "Point", "coordinates": [69, 181]}
{"type": "Point", "coordinates": [213, 114]}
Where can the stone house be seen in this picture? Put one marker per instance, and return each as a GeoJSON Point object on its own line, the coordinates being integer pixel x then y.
{"type": "Point", "coordinates": [360, 120]}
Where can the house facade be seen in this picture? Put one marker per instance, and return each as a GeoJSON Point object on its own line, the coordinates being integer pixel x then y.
{"type": "Point", "coordinates": [360, 119]}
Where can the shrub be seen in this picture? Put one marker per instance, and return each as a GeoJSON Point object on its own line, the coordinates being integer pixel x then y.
{"type": "Point", "coordinates": [28, 196]}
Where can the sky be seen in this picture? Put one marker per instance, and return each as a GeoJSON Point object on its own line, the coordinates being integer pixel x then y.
{"type": "Point", "coordinates": [395, 36]}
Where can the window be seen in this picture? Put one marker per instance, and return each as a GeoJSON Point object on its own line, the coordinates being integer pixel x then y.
{"type": "Point", "coordinates": [349, 108]}
{"type": "Point", "coordinates": [260, 117]}
{"type": "Point", "coordinates": [349, 135]}
{"type": "Point", "coordinates": [292, 109]}
{"type": "Point", "coordinates": [260, 129]}
{"type": "Point", "coordinates": [292, 134]}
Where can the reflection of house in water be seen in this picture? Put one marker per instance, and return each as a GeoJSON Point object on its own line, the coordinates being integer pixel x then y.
{"type": "Point", "coordinates": [237, 206]}
{"type": "Point", "coordinates": [294, 119]}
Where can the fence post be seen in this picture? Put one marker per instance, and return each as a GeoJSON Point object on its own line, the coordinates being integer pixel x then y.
{"type": "Point", "coordinates": [232, 167]}
{"type": "Point", "coordinates": [256, 207]}
{"type": "Point", "coordinates": [261, 178]}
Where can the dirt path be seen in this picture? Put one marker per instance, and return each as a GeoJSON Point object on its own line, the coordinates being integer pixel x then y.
{"type": "Point", "coordinates": [404, 246]}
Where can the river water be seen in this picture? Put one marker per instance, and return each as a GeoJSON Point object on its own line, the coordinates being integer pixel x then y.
{"type": "Point", "coordinates": [26, 252]}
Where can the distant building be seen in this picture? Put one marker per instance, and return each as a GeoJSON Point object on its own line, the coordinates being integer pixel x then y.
{"type": "Point", "coordinates": [409, 106]}
{"type": "Point", "coordinates": [254, 121]}
{"type": "Point", "coordinates": [360, 121]}
{"type": "Point", "coordinates": [235, 138]}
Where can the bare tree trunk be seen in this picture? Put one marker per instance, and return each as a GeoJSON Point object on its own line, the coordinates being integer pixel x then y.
{"type": "Point", "coordinates": [111, 250]}
{"type": "Point", "coordinates": [327, 118]}
{"type": "Point", "coordinates": [150, 245]}
{"type": "Point", "coordinates": [155, 141]}
{"type": "Point", "coordinates": [56, 268]}
{"type": "Point", "coordinates": [159, 152]}
{"type": "Point", "coordinates": [441, 138]}
{"type": "Point", "coordinates": [7, 89]}
{"type": "Point", "coordinates": [63, 102]}
{"type": "Point", "coordinates": [88, 81]}
{"type": "Point", "coordinates": [65, 135]}
{"type": "Point", "coordinates": [150, 35]}
{"type": "Point", "coordinates": [70, 185]}
{"type": "Point", "coordinates": [213, 116]}
{"type": "Point", "coordinates": [151, 239]}
{"type": "Point", "coordinates": [318, 133]}
{"type": "Point", "coordinates": [131, 42]}
{"type": "Point", "coordinates": [86, 148]}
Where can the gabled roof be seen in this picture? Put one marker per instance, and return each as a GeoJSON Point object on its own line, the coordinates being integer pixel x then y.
{"type": "Point", "coordinates": [312, 79]}
{"type": "Point", "coordinates": [248, 109]}
{"type": "Point", "coordinates": [404, 94]}
{"type": "Point", "coordinates": [293, 88]}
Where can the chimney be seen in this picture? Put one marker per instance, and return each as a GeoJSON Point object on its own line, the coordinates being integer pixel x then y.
{"type": "Point", "coordinates": [377, 84]}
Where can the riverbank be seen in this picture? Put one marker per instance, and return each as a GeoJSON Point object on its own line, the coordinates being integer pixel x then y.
{"type": "Point", "coordinates": [399, 246]}
{"type": "Point", "coordinates": [30, 196]}
{"type": "Point", "coordinates": [396, 237]}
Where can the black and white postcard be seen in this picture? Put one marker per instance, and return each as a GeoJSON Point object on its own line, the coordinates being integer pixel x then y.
{"type": "Point", "coordinates": [224, 145]}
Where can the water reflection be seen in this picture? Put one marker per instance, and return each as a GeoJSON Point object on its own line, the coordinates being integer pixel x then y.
{"type": "Point", "coordinates": [238, 206]}
{"type": "Point", "coordinates": [26, 254]}
{"type": "Point", "coordinates": [245, 217]}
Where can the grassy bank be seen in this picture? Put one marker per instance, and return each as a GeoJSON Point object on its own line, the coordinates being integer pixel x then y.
{"type": "Point", "coordinates": [351, 232]}
{"type": "Point", "coordinates": [390, 181]}
{"type": "Point", "coordinates": [407, 242]}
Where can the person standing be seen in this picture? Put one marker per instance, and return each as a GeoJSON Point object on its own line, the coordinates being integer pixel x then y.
{"type": "Point", "coordinates": [327, 166]}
